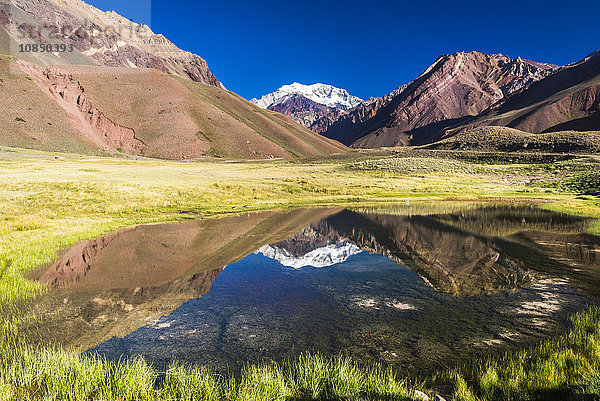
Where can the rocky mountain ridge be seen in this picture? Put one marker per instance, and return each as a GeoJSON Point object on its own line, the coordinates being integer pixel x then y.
{"type": "Point", "coordinates": [97, 37]}
{"type": "Point", "coordinates": [303, 110]}
{"type": "Point", "coordinates": [327, 95]}
{"type": "Point", "coordinates": [81, 112]}
{"type": "Point", "coordinates": [457, 86]}
{"type": "Point", "coordinates": [567, 100]}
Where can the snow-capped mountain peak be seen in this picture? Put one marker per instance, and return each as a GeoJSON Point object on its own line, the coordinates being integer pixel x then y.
{"type": "Point", "coordinates": [326, 95]}
{"type": "Point", "coordinates": [325, 256]}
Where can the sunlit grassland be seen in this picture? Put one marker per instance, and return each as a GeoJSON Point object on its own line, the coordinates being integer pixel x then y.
{"type": "Point", "coordinates": [49, 203]}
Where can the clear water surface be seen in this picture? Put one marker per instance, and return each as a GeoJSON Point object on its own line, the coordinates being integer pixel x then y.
{"type": "Point", "coordinates": [419, 287]}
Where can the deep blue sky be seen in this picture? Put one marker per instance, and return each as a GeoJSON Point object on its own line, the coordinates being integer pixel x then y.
{"type": "Point", "coordinates": [367, 47]}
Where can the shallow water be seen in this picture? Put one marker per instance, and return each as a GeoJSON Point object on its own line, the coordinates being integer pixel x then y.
{"type": "Point", "coordinates": [417, 287]}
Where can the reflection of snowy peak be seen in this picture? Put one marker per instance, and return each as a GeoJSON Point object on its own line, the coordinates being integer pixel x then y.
{"type": "Point", "coordinates": [321, 257]}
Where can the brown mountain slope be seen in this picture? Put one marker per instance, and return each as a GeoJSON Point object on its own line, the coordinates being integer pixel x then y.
{"type": "Point", "coordinates": [454, 88]}
{"type": "Point", "coordinates": [98, 37]}
{"type": "Point", "coordinates": [30, 119]}
{"type": "Point", "coordinates": [567, 100]}
{"type": "Point", "coordinates": [144, 112]}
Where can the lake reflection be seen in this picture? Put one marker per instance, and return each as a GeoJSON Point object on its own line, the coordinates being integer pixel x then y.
{"type": "Point", "coordinates": [420, 287]}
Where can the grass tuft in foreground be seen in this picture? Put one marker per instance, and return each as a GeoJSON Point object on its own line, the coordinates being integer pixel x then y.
{"type": "Point", "coordinates": [33, 374]}
{"type": "Point", "coordinates": [564, 368]}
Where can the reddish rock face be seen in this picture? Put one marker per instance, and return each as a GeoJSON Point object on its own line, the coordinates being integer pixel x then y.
{"type": "Point", "coordinates": [75, 263]}
{"type": "Point", "coordinates": [82, 114]}
{"type": "Point", "coordinates": [113, 136]}
{"type": "Point", "coordinates": [455, 88]}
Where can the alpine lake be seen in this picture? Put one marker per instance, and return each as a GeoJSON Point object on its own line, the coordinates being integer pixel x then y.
{"type": "Point", "coordinates": [421, 287]}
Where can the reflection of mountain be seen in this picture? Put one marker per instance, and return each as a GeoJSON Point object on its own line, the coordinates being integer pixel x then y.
{"type": "Point", "coordinates": [113, 285]}
{"type": "Point", "coordinates": [459, 263]}
{"type": "Point", "coordinates": [465, 253]}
